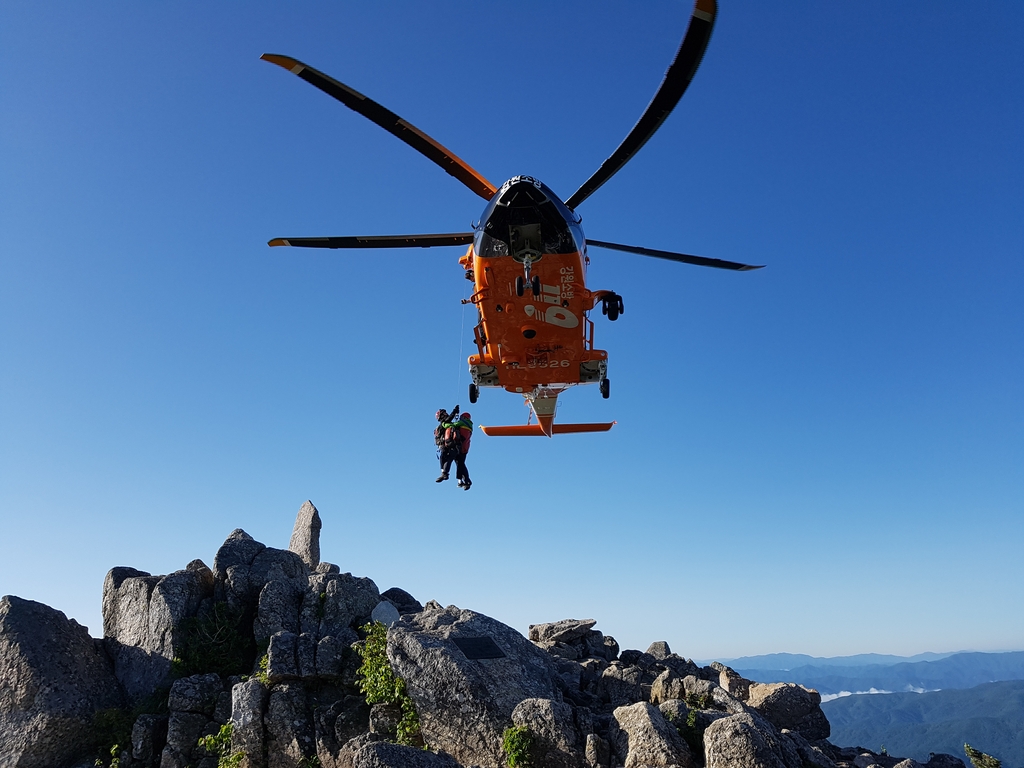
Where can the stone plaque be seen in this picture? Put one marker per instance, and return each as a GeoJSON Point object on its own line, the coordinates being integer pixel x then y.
{"type": "Point", "coordinates": [479, 648]}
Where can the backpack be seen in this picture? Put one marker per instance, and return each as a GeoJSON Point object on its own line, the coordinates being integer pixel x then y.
{"type": "Point", "coordinates": [453, 436]}
{"type": "Point", "coordinates": [439, 436]}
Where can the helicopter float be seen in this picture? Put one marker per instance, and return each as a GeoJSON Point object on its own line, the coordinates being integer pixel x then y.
{"type": "Point", "coordinates": [527, 256]}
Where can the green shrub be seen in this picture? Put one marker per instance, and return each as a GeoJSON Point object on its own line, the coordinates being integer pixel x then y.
{"type": "Point", "coordinates": [380, 685]}
{"type": "Point", "coordinates": [518, 745]}
{"type": "Point", "coordinates": [216, 641]}
{"type": "Point", "coordinates": [980, 759]}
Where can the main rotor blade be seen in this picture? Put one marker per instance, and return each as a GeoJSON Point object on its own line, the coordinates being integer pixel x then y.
{"type": "Point", "coordinates": [677, 78]}
{"type": "Point", "coordinates": [377, 241]}
{"type": "Point", "coordinates": [700, 261]}
{"type": "Point", "coordinates": [390, 122]}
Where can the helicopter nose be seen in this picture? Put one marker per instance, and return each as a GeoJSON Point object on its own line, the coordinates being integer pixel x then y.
{"type": "Point", "coordinates": [522, 191]}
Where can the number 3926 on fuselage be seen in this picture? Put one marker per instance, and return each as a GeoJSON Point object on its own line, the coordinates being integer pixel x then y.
{"type": "Point", "coordinates": [527, 257]}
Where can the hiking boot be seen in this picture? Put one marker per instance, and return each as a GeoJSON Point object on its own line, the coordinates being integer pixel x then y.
{"type": "Point", "coordinates": [461, 483]}
{"type": "Point", "coordinates": [441, 479]}
{"type": "Point", "coordinates": [465, 486]}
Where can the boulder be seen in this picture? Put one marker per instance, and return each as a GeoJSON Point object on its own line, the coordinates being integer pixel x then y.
{"type": "Point", "coordinates": [231, 570]}
{"type": "Point", "coordinates": [184, 729]}
{"type": "Point", "coordinates": [747, 741]}
{"type": "Point", "coordinates": [786, 705]}
{"type": "Point", "coordinates": [142, 622]}
{"type": "Point", "coordinates": [336, 724]}
{"type": "Point", "coordinates": [659, 650]}
{"type": "Point", "coordinates": [384, 720]}
{"type": "Point", "coordinates": [382, 755]}
{"type": "Point", "coordinates": [465, 704]}
{"type": "Point", "coordinates": [564, 631]}
{"type": "Point", "coordinates": [674, 710]}
{"type": "Point", "coordinates": [335, 657]}
{"type": "Point", "coordinates": [149, 735]}
{"type": "Point", "coordinates": [736, 685]}
{"type": "Point", "coordinates": [553, 726]}
{"type": "Point", "coordinates": [305, 541]}
{"type": "Point", "coordinates": [53, 680]}
{"type": "Point", "coordinates": [277, 565]}
{"type": "Point", "coordinates": [277, 610]}
{"type": "Point", "coordinates": [600, 646]}
{"type": "Point", "coordinates": [561, 650]}
{"type": "Point", "coordinates": [248, 702]}
{"type": "Point", "coordinates": [598, 752]}
{"type": "Point", "coordinates": [197, 694]}
{"type": "Point", "coordinates": [637, 659]}
{"type": "Point", "coordinates": [642, 738]}
{"type": "Point", "coordinates": [349, 750]}
{"type": "Point", "coordinates": [175, 598]}
{"type": "Point", "coordinates": [336, 602]}
{"type": "Point", "coordinates": [238, 550]}
{"type": "Point", "coordinates": [679, 665]}
{"type": "Point", "coordinates": [290, 735]}
{"type": "Point", "coordinates": [620, 685]}
{"type": "Point", "coordinates": [667, 686]}
{"type": "Point", "coordinates": [810, 755]}
{"type": "Point", "coordinates": [402, 600]}
{"type": "Point", "coordinates": [282, 657]}
{"type": "Point", "coordinates": [126, 593]}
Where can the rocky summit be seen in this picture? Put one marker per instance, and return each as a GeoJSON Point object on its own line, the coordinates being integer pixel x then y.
{"type": "Point", "coordinates": [272, 658]}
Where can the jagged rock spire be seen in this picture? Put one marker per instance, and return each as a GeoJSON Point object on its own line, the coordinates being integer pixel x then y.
{"type": "Point", "coordinates": [306, 535]}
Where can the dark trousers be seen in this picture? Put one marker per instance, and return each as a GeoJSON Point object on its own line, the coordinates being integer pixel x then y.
{"type": "Point", "coordinates": [461, 473]}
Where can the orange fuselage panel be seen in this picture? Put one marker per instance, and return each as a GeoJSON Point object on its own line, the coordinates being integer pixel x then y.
{"type": "Point", "coordinates": [533, 340]}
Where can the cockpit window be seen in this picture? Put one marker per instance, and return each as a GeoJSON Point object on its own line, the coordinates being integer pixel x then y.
{"type": "Point", "coordinates": [526, 218]}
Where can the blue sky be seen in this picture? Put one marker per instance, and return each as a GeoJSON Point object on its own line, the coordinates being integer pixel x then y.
{"type": "Point", "coordinates": [824, 456]}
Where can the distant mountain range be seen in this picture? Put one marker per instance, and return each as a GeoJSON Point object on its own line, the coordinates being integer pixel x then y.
{"type": "Point", "coordinates": [989, 717]}
{"type": "Point", "coordinates": [843, 676]}
{"type": "Point", "coordinates": [785, 661]}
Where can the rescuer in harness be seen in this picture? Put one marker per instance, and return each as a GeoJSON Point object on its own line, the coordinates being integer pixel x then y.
{"type": "Point", "coordinates": [452, 436]}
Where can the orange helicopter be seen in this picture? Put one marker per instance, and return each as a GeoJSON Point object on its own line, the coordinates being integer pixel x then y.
{"type": "Point", "coordinates": [527, 256]}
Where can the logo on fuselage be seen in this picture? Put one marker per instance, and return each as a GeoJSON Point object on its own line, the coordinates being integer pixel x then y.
{"type": "Point", "coordinates": [555, 296]}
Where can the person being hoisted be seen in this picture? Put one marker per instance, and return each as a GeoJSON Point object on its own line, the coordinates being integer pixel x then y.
{"type": "Point", "coordinates": [444, 421]}
{"type": "Point", "coordinates": [454, 446]}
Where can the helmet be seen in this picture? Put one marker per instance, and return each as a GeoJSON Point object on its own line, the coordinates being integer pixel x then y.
{"type": "Point", "coordinates": [466, 416]}
{"type": "Point", "coordinates": [441, 415]}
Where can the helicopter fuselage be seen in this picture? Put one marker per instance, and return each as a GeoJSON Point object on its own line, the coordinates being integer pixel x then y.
{"type": "Point", "coordinates": [528, 264]}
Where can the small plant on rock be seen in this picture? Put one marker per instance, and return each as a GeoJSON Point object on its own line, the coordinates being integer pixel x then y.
{"type": "Point", "coordinates": [111, 728]}
{"type": "Point", "coordinates": [517, 743]}
{"type": "Point", "coordinates": [692, 732]}
{"type": "Point", "coordinates": [115, 758]}
{"type": "Point", "coordinates": [263, 669]}
{"type": "Point", "coordinates": [219, 745]}
{"type": "Point", "coordinates": [380, 685]}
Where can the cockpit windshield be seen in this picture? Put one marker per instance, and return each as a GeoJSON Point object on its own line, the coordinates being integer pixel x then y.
{"type": "Point", "coordinates": [526, 219]}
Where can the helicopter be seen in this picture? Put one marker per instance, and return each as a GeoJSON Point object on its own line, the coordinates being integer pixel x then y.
{"type": "Point", "coordinates": [527, 255]}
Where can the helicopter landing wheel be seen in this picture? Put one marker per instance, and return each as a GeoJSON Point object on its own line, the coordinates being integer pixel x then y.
{"type": "Point", "coordinates": [520, 286]}
{"type": "Point", "coordinates": [612, 306]}
{"type": "Point", "coordinates": [474, 393]}
{"type": "Point", "coordinates": [535, 285]}
{"type": "Point", "coordinates": [606, 388]}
